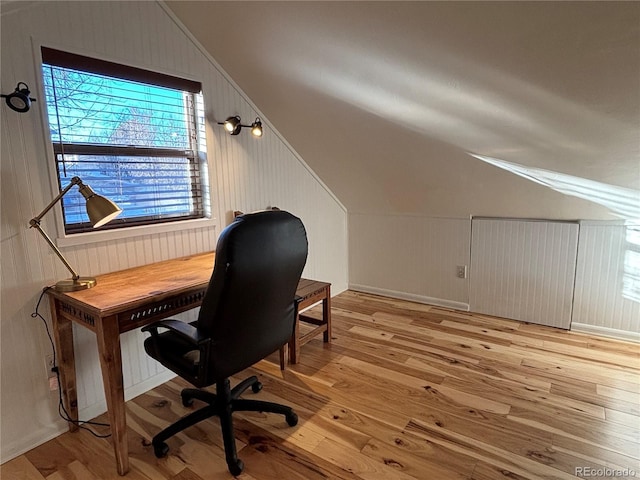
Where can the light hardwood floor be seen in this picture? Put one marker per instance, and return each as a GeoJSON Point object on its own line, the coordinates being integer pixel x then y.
{"type": "Point", "coordinates": [405, 391]}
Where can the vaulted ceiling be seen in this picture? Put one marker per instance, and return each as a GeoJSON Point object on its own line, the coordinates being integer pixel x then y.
{"type": "Point", "coordinates": [386, 100]}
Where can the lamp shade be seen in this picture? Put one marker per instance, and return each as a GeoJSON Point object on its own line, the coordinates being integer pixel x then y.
{"type": "Point", "coordinates": [101, 210]}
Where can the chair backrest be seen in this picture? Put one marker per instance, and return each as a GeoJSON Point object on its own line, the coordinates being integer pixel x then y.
{"type": "Point", "coordinates": [249, 308]}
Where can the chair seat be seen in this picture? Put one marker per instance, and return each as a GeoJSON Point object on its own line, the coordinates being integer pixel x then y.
{"type": "Point", "coordinates": [176, 354]}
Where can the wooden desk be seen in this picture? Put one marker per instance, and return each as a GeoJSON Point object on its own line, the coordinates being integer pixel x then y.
{"type": "Point", "coordinates": [129, 299]}
{"type": "Point", "coordinates": [122, 301]}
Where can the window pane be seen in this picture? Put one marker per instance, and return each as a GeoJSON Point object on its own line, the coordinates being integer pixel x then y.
{"type": "Point", "coordinates": [149, 187]}
{"type": "Point", "coordinates": [90, 108]}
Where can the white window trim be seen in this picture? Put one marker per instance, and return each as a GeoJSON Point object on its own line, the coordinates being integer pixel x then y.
{"type": "Point", "coordinates": [131, 232]}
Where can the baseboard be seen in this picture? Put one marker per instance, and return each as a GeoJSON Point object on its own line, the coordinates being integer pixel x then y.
{"type": "Point", "coordinates": [53, 430]}
{"type": "Point", "coordinates": [606, 332]}
{"type": "Point", "coordinates": [410, 296]}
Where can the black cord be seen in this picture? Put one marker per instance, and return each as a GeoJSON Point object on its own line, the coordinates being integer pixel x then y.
{"type": "Point", "coordinates": [62, 411]}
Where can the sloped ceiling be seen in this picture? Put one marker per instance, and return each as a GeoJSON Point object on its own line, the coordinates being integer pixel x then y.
{"type": "Point", "coordinates": [385, 100]}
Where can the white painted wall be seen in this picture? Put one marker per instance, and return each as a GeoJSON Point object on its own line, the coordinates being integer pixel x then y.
{"type": "Point", "coordinates": [400, 92]}
{"type": "Point", "coordinates": [415, 257]}
{"type": "Point", "coordinates": [245, 174]}
{"type": "Point", "coordinates": [607, 292]}
{"type": "Point", "coordinates": [411, 257]}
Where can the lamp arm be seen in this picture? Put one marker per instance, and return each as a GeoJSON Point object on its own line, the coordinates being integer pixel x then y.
{"type": "Point", "coordinates": [35, 223]}
{"type": "Point", "coordinates": [74, 181]}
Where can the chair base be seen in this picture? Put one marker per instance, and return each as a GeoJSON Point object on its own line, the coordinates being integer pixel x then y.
{"type": "Point", "coordinates": [222, 403]}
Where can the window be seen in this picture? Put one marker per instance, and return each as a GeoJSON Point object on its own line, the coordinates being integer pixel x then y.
{"type": "Point", "coordinates": [137, 137]}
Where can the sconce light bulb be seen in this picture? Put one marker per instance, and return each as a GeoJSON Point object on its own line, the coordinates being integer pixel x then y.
{"type": "Point", "coordinates": [19, 104]}
{"type": "Point", "coordinates": [233, 125]}
{"type": "Point", "coordinates": [256, 128]}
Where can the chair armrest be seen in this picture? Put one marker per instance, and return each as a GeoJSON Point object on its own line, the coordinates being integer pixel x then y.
{"type": "Point", "coordinates": [185, 330]}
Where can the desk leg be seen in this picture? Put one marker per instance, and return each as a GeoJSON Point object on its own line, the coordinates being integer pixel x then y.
{"type": "Point", "coordinates": [326, 315]}
{"type": "Point", "coordinates": [294, 344]}
{"type": "Point", "coordinates": [108, 336]}
{"type": "Point", "coordinates": [63, 336]}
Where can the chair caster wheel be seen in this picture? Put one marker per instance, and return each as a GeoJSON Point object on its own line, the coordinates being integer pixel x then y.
{"type": "Point", "coordinates": [256, 387]}
{"type": "Point", "coordinates": [292, 419]}
{"type": "Point", "coordinates": [235, 468]}
{"type": "Point", "coordinates": [186, 401]}
{"type": "Point", "coordinates": [160, 449]}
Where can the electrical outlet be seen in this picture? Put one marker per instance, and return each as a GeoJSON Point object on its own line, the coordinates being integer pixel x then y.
{"type": "Point", "coordinates": [53, 384]}
{"type": "Point", "coordinates": [461, 271]}
{"type": "Point", "coordinates": [49, 364]}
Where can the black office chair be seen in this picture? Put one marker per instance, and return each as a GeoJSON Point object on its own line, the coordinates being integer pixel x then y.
{"type": "Point", "coordinates": [248, 312]}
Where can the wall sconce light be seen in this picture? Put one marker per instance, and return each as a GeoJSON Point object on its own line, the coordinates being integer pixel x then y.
{"type": "Point", "coordinates": [256, 128]}
{"type": "Point", "coordinates": [19, 100]}
{"type": "Point", "coordinates": [233, 125]}
{"type": "Point", "coordinates": [100, 209]}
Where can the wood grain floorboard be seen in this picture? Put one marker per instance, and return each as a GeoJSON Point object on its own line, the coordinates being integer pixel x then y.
{"type": "Point", "coordinates": [405, 392]}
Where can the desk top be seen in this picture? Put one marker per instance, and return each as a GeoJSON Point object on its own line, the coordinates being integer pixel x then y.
{"type": "Point", "coordinates": [134, 286]}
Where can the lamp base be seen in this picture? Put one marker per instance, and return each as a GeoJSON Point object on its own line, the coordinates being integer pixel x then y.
{"type": "Point", "coordinates": [71, 285]}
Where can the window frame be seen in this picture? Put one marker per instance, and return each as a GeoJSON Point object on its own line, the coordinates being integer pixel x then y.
{"type": "Point", "coordinates": [64, 239]}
